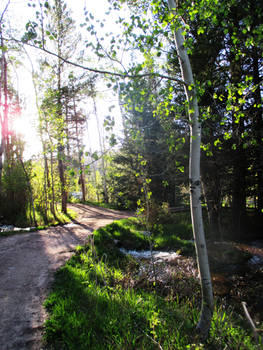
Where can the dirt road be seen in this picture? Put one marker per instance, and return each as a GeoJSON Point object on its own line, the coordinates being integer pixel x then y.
{"type": "Point", "coordinates": [27, 265]}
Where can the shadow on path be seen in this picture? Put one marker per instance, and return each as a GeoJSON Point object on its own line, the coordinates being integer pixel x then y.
{"type": "Point", "coordinates": [27, 265]}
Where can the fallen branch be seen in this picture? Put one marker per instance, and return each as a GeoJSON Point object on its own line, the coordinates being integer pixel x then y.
{"type": "Point", "coordinates": [152, 339]}
{"type": "Point", "coordinates": [250, 321]}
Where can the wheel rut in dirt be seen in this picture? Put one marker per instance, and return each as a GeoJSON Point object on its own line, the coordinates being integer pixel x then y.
{"type": "Point", "coordinates": [27, 265]}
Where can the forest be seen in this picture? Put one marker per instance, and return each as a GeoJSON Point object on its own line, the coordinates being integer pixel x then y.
{"type": "Point", "coordinates": [152, 108]}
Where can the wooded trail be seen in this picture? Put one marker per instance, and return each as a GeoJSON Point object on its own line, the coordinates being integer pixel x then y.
{"type": "Point", "coordinates": [27, 265]}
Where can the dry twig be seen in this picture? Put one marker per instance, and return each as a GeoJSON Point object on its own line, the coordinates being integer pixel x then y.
{"type": "Point", "coordinates": [250, 321]}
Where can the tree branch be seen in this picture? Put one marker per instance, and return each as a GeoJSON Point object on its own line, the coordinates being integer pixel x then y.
{"type": "Point", "coordinates": [250, 321]}
{"type": "Point", "coordinates": [101, 71]}
{"type": "Point", "coordinates": [5, 9]}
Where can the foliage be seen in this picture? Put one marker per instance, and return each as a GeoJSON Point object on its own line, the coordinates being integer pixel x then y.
{"type": "Point", "coordinates": [224, 41]}
{"type": "Point", "coordinates": [151, 148]}
{"type": "Point", "coordinates": [16, 206]}
{"type": "Point", "coordinates": [14, 197]}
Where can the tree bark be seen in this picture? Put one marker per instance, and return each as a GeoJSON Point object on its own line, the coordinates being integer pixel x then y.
{"type": "Point", "coordinates": [30, 190]}
{"type": "Point", "coordinates": [61, 171]}
{"type": "Point", "coordinates": [105, 187]}
{"type": "Point", "coordinates": [211, 186]}
{"type": "Point", "coordinates": [204, 323]}
{"type": "Point", "coordinates": [2, 144]}
{"type": "Point", "coordinates": [258, 127]}
{"type": "Point", "coordinates": [239, 157]}
{"type": "Point", "coordinates": [80, 153]}
{"type": "Point", "coordinates": [61, 152]}
{"type": "Point", "coordinates": [3, 106]}
{"type": "Point", "coordinates": [54, 206]}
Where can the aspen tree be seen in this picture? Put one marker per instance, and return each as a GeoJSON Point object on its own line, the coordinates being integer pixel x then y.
{"type": "Point", "coordinates": [194, 179]}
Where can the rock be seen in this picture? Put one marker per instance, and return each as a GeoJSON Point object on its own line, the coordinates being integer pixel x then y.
{"type": "Point", "coordinates": [6, 228]}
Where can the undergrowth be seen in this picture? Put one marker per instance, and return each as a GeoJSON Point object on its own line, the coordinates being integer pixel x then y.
{"type": "Point", "coordinates": [96, 304]}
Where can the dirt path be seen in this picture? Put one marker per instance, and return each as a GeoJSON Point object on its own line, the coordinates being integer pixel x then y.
{"type": "Point", "coordinates": [27, 265]}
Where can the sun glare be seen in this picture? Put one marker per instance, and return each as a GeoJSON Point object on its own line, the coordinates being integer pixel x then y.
{"type": "Point", "coordinates": [24, 127]}
{"type": "Point", "coordinates": [20, 126]}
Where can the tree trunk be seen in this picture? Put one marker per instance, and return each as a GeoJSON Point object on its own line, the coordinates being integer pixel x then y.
{"type": "Point", "coordinates": [80, 153]}
{"type": "Point", "coordinates": [211, 189]}
{"type": "Point", "coordinates": [239, 160]}
{"type": "Point", "coordinates": [54, 206]}
{"type": "Point", "coordinates": [204, 323]}
{"type": "Point", "coordinates": [30, 191]}
{"type": "Point", "coordinates": [258, 127]}
{"type": "Point", "coordinates": [46, 171]}
{"type": "Point", "coordinates": [60, 147]}
{"type": "Point", "coordinates": [6, 122]}
{"type": "Point", "coordinates": [3, 111]}
{"type": "Point", "coordinates": [1, 116]}
{"type": "Point", "coordinates": [239, 188]}
{"type": "Point", "coordinates": [46, 181]}
{"type": "Point", "coordinates": [61, 172]}
{"type": "Point", "coordinates": [105, 187]}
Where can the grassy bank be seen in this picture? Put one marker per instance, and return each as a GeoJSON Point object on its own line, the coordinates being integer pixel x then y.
{"type": "Point", "coordinates": [100, 300]}
{"type": "Point", "coordinates": [51, 220]}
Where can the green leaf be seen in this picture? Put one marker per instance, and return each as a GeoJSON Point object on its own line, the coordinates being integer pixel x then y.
{"type": "Point", "coordinates": [95, 156]}
{"type": "Point", "coordinates": [200, 31]}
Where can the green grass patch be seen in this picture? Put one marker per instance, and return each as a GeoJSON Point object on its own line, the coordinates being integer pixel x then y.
{"type": "Point", "coordinates": [90, 309]}
{"type": "Point", "coordinates": [60, 219]}
{"type": "Point", "coordinates": [94, 304]}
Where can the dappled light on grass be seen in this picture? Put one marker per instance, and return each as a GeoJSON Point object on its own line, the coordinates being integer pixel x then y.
{"type": "Point", "coordinates": [88, 314]}
{"type": "Point", "coordinates": [42, 223]}
{"type": "Point", "coordinates": [101, 300]}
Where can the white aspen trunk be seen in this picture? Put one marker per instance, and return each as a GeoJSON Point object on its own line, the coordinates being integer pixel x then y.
{"type": "Point", "coordinates": [204, 323]}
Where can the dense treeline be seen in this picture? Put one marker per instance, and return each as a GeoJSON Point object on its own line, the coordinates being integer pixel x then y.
{"type": "Point", "coordinates": [226, 55]}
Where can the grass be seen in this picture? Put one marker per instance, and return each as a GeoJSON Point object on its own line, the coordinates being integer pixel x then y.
{"type": "Point", "coordinates": [96, 204]}
{"type": "Point", "coordinates": [96, 304]}
{"type": "Point", "coordinates": [60, 219]}
{"type": "Point", "coordinates": [176, 234]}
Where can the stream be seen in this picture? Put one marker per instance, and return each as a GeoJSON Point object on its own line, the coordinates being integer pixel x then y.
{"type": "Point", "coordinates": [12, 228]}
{"type": "Point", "coordinates": [236, 271]}
{"type": "Point", "coordinates": [251, 254]}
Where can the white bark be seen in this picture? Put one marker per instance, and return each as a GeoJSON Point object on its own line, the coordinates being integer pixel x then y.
{"type": "Point", "coordinates": [195, 183]}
